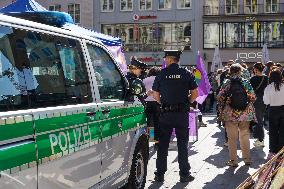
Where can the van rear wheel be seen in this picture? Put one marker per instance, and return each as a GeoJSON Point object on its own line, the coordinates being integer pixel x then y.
{"type": "Point", "coordinates": [138, 173]}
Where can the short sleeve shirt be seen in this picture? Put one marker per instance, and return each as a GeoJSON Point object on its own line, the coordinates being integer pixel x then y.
{"type": "Point", "coordinates": [173, 84]}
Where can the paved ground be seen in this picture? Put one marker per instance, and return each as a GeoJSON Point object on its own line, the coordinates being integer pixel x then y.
{"type": "Point", "coordinates": [207, 159]}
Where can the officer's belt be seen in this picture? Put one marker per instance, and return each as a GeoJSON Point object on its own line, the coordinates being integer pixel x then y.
{"type": "Point", "coordinates": [174, 108]}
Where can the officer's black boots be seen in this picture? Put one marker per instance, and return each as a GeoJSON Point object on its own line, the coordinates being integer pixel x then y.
{"type": "Point", "coordinates": [188, 178]}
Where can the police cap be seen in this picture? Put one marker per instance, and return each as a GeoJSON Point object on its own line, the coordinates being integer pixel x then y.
{"type": "Point", "coordinates": [138, 63]}
{"type": "Point", "coordinates": [174, 53]}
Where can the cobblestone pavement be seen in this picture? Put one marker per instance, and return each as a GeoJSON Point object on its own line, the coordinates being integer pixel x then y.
{"type": "Point", "coordinates": [207, 158]}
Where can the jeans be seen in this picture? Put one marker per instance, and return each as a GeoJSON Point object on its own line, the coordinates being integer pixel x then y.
{"type": "Point", "coordinates": [276, 128]}
{"type": "Point", "coordinates": [153, 113]}
{"type": "Point", "coordinates": [258, 131]}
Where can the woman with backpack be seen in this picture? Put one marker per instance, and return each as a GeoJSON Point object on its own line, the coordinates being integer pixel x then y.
{"type": "Point", "coordinates": [273, 96]}
{"type": "Point", "coordinates": [259, 83]}
{"type": "Point", "coordinates": [236, 99]}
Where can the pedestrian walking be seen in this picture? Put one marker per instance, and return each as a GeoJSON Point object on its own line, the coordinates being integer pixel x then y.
{"type": "Point", "coordinates": [152, 106]}
{"type": "Point", "coordinates": [174, 88]}
{"type": "Point", "coordinates": [273, 96]}
{"type": "Point", "coordinates": [259, 82]}
{"type": "Point", "coordinates": [224, 75]}
{"type": "Point", "coordinates": [237, 96]}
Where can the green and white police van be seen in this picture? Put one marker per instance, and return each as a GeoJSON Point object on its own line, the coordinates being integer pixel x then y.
{"type": "Point", "coordinates": [65, 117]}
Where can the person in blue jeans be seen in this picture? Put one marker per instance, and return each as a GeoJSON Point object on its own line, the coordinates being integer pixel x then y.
{"type": "Point", "coordinates": [259, 83]}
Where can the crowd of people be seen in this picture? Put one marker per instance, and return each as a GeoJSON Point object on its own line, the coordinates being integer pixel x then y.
{"type": "Point", "coordinates": [246, 99]}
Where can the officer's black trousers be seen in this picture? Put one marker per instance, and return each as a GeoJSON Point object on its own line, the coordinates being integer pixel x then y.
{"type": "Point", "coordinates": [168, 121]}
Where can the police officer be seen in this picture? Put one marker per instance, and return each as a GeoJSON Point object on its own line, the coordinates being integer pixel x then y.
{"type": "Point", "coordinates": [136, 68]}
{"type": "Point", "coordinates": [174, 88]}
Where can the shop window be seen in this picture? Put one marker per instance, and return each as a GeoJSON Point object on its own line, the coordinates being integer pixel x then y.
{"type": "Point", "coordinates": [234, 35]}
{"type": "Point", "coordinates": [153, 36]}
{"type": "Point", "coordinates": [211, 35]}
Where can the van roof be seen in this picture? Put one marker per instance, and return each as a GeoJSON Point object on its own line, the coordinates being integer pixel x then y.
{"type": "Point", "coordinates": [35, 25]}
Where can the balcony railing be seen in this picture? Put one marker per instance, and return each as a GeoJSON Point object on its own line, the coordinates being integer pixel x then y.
{"type": "Point", "coordinates": [243, 9]}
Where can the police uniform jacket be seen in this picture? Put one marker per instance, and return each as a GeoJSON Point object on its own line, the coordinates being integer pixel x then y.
{"type": "Point", "coordinates": [174, 83]}
{"type": "Point", "coordinates": [131, 78]}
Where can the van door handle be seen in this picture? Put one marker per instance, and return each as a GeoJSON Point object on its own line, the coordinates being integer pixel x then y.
{"type": "Point", "coordinates": [91, 114]}
{"type": "Point", "coordinates": [106, 111]}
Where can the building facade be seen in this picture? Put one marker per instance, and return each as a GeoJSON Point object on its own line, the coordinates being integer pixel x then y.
{"type": "Point", "coordinates": [241, 27]}
{"type": "Point", "coordinates": [147, 27]}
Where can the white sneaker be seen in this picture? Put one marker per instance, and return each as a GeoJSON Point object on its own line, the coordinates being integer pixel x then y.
{"type": "Point", "coordinates": [257, 143]}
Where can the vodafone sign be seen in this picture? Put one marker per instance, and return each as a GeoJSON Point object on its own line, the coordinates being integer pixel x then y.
{"type": "Point", "coordinates": [135, 17]}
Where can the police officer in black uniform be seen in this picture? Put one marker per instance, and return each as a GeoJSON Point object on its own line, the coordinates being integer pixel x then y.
{"type": "Point", "coordinates": [175, 88]}
{"type": "Point", "coordinates": [136, 68]}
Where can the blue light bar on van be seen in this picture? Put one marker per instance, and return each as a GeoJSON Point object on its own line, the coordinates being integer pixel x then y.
{"type": "Point", "coordinates": [52, 18]}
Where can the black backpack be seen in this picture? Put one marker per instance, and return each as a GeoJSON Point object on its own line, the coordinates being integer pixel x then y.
{"type": "Point", "coordinates": [238, 95]}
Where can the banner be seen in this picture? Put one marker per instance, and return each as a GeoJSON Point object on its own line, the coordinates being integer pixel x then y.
{"type": "Point", "coordinates": [202, 80]}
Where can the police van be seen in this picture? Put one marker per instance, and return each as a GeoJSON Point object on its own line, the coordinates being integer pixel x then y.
{"type": "Point", "coordinates": [67, 118]}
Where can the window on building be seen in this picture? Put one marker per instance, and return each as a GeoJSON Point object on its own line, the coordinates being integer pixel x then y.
{"type": "Point", "coordinates": [211, 35]}
{"type": "Point", "coordinates": [271, 6]}
{"type": "Point", "coordinates": [109, 79]}
{"type": "Point", "coordinates": [107, 5]}
{"type": "Point", "coordinates": [165, 4]}
{"type": "Point", "coordinates": [54, 8]}
{"type": "Point", "coordinates": [233, 38]}
{"type": "Point", "coordinates": [74, 11]}
{"type": "Point", "coordinates": [252, 37]}
{"type": "Point", "coordinates": [231, 6]}
{"type": "Point", "coordinates": [273, 34]}
{"type": "Point", "coordinates": [145, 4]}
{"type": "Point", "coordinates": [126, 5]}
{"type": "Point", "coordinates": [211, 7]}
{"type": "Point", "coordinates": [183, 4]}
{"type": "Point", "coordinates": [244, 34]}
{"type": "Point", "coordinates": [250, 7]}
{"type": "Point", "coordinates": [152, 36]}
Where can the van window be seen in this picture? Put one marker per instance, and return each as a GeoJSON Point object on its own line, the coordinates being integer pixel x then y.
{"type": "Point", "coordinates": [110, 82]}
{"type": "Point", "coordinates": [40, 70]}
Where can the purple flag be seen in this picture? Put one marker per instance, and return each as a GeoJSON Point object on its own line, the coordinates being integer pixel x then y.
{"type": "Point", "coordinates": [192, 126]}
{"type": "Point", "coordinates": [164, 64]}
{"type": "Point", "coordinates": [202, 80]}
